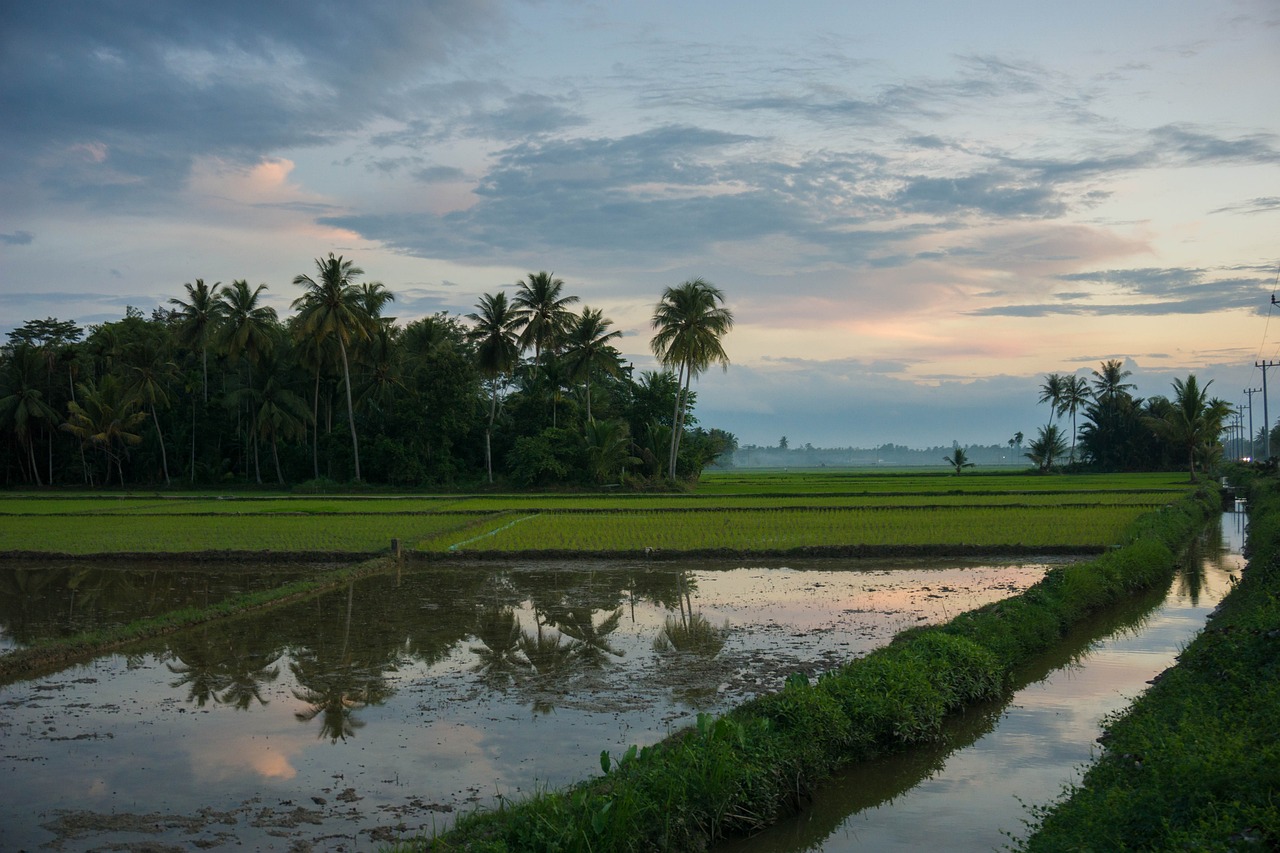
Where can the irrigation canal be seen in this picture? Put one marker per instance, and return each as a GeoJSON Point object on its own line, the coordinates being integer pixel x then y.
{"type": "Point", "coordinates": [974, 791]}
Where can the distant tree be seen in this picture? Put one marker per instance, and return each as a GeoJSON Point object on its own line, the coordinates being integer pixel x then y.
{"type": "Point", "coordinates": [588, 349]}
{"type": "Point", "coordinates": [1193, 422]}
{"type": "Point", "coordinates": [1051, 392]}
{"type": "Point", "coordinates": [497, 353]}
{"type": "Point", "coordinates": [1109, 380]}
{"type": "Point", "coordinates": [1047, 447]}
{"type": "Point", "coordinates": [689, 322]}
{"type": "Point", "coordinates": [22, 403]}
{"type": "Point", "coordinates": [782, 443]}
{"type": "Point", "coordinates": [544, 316]}
{"type": "Point", "coordinates": [958, 460]}
{"type": "Point", "coordinates": [334, 306]}
{"type": "Point", "coordinates": [1075, 396]}
{"type": "Point", "coordinates": [198, 320]}
{"type": "Point", "coordinates": [106, 417]}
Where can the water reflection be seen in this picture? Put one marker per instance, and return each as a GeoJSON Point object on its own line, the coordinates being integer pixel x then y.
{"type": "Point", "coordinates": [429, 676]}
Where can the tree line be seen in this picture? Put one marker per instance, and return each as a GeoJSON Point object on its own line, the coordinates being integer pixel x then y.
{"type": "Point", "coordinates": [1112, 430]}
{"type": "Point", "coordinates": [214, 387]}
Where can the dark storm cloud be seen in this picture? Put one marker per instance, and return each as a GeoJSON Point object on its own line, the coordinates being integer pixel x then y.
{"type": "Point", "coordinates": [1154, 292]}
{"type": "Point", "coordinates": [155, 84]}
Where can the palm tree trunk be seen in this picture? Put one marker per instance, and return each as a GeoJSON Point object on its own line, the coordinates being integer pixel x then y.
{"type": "Point", "coordinates": [275, 456]}
{"type": "Point", "coordinates": [493, 413]}
{"type": "Point", "coordinates": [315, 428]}
{"type": "Point", "coordinates": [164, 456]}
{"type": "Point", "coordinates": [677, 419]}
{"type": "Point", "coordinates": [31, 454]}
{"type": "Point", "coordinates": [351, 412]}
{"type": "Point", "coordinates": [193, 440]}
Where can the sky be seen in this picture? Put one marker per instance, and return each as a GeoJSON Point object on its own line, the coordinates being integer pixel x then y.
{"type": "Point", "coordinates": [915, 210]}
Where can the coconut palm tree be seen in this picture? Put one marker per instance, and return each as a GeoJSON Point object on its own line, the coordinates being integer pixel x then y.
{"type": "Point", "coordinates": [150, 381]}
{"type": "Point", "coordinates": [334, 306]}
{"type": "Point", "coordinates": [1075, 396]}
{"type": "Point", "coordinates": [690, 321]}
{"type": "Point", "coordinates": [198, 320]}
{"type": "Point", "coordinates": [544, 313]}
{"type": "Point", "coordinates": [1110, 380]}
{"type": "Point", "coordinates": [1192, 422]}
{"type": "Point", "coordinates": [1051, 393]}
{"type": "Point", "coordinates": [958, 460]}
{"type": "Point", "coordinates": [609, 449]}
{"type": "Point", "coordinates": [497, 352]}
{"type": "Point", "coordinates": [1045, 449]}
{"type": "Point", "coordinates": [105, 417]}
{"type": "Point", "coordinates": [22, 403]}
{"type": "Point", "coordinates": [248, 331]}
{"type": "Point", "coordinates": [588, 348]}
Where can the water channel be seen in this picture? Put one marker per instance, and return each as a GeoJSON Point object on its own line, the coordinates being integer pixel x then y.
{"type": "Point", "coordinates": [390, 706]}
{"type": "Point", "coordinates": [974, 791]}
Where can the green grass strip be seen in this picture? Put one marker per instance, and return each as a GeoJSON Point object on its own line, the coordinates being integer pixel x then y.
{"type": "Point", "coordinates": [737, 773]}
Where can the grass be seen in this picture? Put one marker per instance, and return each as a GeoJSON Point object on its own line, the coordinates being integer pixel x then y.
{"type": "Point", "coordinates": [736, 511]}
{"type": "Point", "coordinates": [775, 530]}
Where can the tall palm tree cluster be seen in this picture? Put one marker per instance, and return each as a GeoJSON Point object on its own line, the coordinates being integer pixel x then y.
{"type": "Point", "coordinates": [1120, 432]}
{"type": "Point", "coordinates": [215, 388]}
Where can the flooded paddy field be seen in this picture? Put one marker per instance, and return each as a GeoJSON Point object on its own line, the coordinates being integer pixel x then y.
{"type": "Point", "coordinates": [389, 706]}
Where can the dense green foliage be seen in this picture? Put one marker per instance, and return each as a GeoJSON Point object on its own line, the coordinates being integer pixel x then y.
{"type": "Point", "coordinates": [1126, 433]}
{"type": "Point", "coordinates": [741, 771]}
{"type": "Point", "coordinates": [1194, 764]}
{"type": "Point", "coordinates": [216, 389]}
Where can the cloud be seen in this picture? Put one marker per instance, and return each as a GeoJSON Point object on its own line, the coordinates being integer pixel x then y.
{"type": "Point", "coordinates": [1262, 204]}
{"type": "Point", "coordinates": [1149, 292]}
{"type": "Point", "coordinates": [17, 238]}
{"type": "Point", "coordinates": [153, 87]}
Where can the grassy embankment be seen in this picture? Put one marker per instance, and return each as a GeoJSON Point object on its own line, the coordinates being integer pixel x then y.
{"type": "Point", "coordinates": [1194, 764]}
{"type": "Point", "coordinates": [744, 770]}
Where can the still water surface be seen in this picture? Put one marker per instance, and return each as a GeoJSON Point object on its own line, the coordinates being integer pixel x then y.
{"type": "Point", "coordinates": [389, 706]}
{"type": "Point", "coordinates": [973, 792]}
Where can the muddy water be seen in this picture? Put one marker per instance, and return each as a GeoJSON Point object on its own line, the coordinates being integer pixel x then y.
{"type": "Point", "coordinates": [973, 791]}
{"type": "Point", "coordinates": [389, 706]}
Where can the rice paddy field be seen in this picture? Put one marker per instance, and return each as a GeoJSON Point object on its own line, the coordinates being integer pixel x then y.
{"type": "Point", "coordinates": [729, 511]}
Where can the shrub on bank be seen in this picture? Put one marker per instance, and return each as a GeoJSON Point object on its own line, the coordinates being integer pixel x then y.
{"type": "Point", "coordinates": [742, 771]}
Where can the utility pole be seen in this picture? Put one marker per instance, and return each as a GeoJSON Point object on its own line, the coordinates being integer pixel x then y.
{"type": "Point", "coordinates": [1251, 392]}
{"type": "Point", "coordinates": [1266, 418]}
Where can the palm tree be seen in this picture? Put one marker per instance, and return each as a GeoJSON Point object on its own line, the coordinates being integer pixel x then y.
{"type": "Point", "coordinates": [22, 403]}
{"type": "Point", "coordinates": [958, 459]}
{"type": "Point", "coordinates": [1075, 396]}
{"type": "Point", "coordinates": [588, 348]}
{"type": "Point", "coordinates": [544, 315]}
{"type": "Point", "coordinates": [335, 306]}
{"type": "Point", "coordinates": [1192, 422]}
{"type": "Point", "coordinates": [1051, 393]}
{"type": "Point", "coordinates": [151, 379]}
{"type": "Point", "coordinates": [608, 449]}
{"type": "Point", "coordinates": [198, 322]}
{"type": "Point", "coordinates": [1110, 380]}
{"type": "Point", "coordinates": [105, 417]}
{"type": "Point", "coordinates": [497, 351]}
{"type": "Point", "coordinates": [1046, 447]}
{"type": "Point", "coordinates": [248, 330]}
{"type": "Point", "coordinates": [690, 321]}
